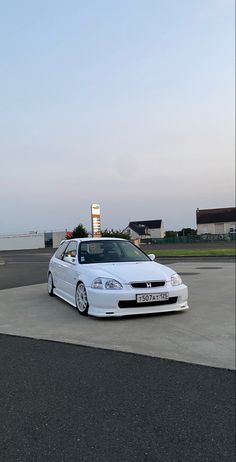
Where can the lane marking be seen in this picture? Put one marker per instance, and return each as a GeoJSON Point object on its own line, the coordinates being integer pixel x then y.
{"type": "Point", "coordinates": [23, 262]}
{"type": "Point", "coordinates": [2, 262]}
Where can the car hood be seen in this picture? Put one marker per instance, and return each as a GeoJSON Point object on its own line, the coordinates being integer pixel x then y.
{"type": "Point", "coordinates": [132, 271]}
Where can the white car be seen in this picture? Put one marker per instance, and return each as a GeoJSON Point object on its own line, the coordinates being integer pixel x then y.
{"type": "Point", "coordinates": [112, 277]}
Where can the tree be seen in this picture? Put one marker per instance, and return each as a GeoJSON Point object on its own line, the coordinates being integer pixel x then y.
{"type": "Point", "coordinates": [171, 234]}
{"type": "Point", "coordinates": [187, 232]}
{"type": "Point", "coordinates": [79, 231]}
{"type": "Point", "coordinates": [115, 233]}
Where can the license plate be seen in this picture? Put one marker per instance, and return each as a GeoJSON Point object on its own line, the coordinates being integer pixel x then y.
{"type": "Point", "coordinates": [148, 298]}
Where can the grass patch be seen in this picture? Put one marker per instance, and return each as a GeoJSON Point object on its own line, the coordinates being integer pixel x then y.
{"type": "Point", "coordinates": [193, 252]}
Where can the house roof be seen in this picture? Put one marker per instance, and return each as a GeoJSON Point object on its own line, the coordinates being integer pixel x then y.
{"type": "Point", "coordinates": [140, 226]}
{"type": "Point", "coordinates": [223, 215]}
{"type": "Point", "coordinates": [139, 229]}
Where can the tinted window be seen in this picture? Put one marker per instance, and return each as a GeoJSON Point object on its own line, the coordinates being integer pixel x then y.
{"type": "Point", "coordinates": [110, 251]}
{"type": "Point", "coordinates": [60, 251]}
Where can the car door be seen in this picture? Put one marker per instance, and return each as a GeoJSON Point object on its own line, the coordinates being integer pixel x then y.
{"type": "Point", "coordinates": [69, 270]}
{"type": "Point", "coordinates": [57, 265]}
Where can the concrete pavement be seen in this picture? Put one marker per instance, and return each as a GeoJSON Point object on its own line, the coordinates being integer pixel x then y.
{"type": "Point", "coordinates": [63, 401]}
{"type": "Point", "coordinates": [202, 335]}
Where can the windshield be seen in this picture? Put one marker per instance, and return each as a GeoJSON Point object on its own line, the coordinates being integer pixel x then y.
{"type": "Point", "coordinates": [110, 251]}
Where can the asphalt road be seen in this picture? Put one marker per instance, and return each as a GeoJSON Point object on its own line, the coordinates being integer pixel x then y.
{"type": "Point", "coordinates": [24, 268]}
{"type": "Point", "coordinates": [70, 403]}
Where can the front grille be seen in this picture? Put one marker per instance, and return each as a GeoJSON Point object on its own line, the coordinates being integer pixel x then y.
{"type": "Point", "coordinates": [147, 285]}
{"type": "Point", "coordinates": [134, 304]}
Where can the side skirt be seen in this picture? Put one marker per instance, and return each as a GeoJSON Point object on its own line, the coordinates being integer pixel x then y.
{"type": "Point", "coordinates": [67, 298]}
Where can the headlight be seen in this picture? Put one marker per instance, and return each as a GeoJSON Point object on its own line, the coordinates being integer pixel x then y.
{"type": "Point", "coordinates": [103, 283]}
{"type": "Point", "coordinates": [175, 280]}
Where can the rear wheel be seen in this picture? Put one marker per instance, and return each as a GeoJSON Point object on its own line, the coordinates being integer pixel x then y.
{"type": "Point", "coordinates": [50, 284]}
{"type": "Point", "coordinates": [81, 299]}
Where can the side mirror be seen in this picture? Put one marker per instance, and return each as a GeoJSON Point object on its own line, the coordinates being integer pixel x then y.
{"type": "Point", "coordinates": [69, 259]}
{"type": "Point", "coordinates": [152, 256]}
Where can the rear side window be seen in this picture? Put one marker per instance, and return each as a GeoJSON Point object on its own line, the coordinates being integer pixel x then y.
{"type": "Point", "coordinates": [71, 250]}
{"type": "Point", "coordinates": [61, 249]}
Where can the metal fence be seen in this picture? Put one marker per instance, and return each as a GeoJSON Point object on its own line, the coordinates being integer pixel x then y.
{"type": "Point", "coordinates": [190, 239]}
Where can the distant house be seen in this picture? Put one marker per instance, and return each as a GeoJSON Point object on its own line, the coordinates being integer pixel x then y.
{"type": "Point", "coordinates": [216, 221]}
{"type": "Point", "coordinates": [153, 229]}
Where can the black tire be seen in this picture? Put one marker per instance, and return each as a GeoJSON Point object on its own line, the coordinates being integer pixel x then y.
{"type": "Point", "coordinates": [81, 299]}
{"type": "Point", "coordinates": [50, 285]}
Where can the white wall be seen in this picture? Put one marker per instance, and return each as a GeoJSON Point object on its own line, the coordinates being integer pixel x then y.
{"type": "Point", "coordinates": [162, 231]}
{"type": "Point", "coordinates": [232, 224]}
{"type": "Point", "coordinates": [22, 241]}
{"type": "Point", "coordinates": [213, 228]}
{"type": "Point", "coordinates": [157, 233]}
{"type": "Point", "coordinates": [134, 235]}
{"type": "Point", "coordinates": [57, 237]}
{"type": "Point", "coordinates": [206, 228]}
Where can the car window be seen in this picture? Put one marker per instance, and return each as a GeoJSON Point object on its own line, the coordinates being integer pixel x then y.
{"type": "Point", "coordinates": [61, 249]}
{"type": "Point", "coordinates": [132, 252]}
{"type": "Point", "coordinates": [71, 250]}
{"type": "Point", "coordinates": [110, 251]}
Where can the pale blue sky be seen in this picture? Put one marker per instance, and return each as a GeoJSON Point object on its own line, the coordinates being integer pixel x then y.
{"type": "Point", "coordinates": [126, 103]}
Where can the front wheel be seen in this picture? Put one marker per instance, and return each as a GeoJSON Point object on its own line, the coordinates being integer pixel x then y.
{"type": "Point", "coordinates": [81, 299]}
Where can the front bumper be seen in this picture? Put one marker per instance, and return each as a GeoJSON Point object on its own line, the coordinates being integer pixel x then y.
{"type": "Point", "coordinates": [105, 303]}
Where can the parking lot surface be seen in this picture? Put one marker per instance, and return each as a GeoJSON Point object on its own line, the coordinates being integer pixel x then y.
{"type": "Point", "coordinates": [62, 401]}
{"type": "Point", "coordinates": [203, 335]}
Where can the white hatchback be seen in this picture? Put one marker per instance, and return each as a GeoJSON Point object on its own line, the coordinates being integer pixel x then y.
{"type": "Point", "coordinates": [112, 277]}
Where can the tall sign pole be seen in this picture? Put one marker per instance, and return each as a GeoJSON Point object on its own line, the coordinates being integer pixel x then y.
{"type": "Point", "coordinates": [96, 220]}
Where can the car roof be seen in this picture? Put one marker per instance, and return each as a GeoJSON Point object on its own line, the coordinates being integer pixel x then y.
{"type": "Point", "coordinates": [86, 239]}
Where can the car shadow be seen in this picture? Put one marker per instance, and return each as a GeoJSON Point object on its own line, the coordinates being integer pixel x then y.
{"type": "Point", "coordinates": [138, 316]}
